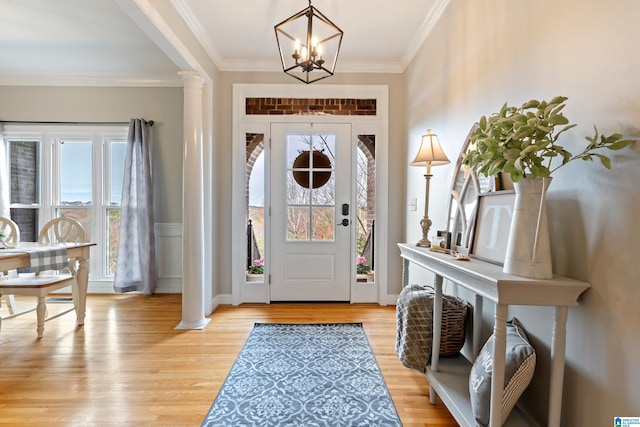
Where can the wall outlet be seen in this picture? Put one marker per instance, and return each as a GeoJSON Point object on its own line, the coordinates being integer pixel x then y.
{"type": "Point", "coordinates": [413, 204]}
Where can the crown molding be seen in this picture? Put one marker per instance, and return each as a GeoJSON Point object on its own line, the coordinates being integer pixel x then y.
{"type": "Point", "coordinates": [182, 6]}
{"type": "Point", "coordinates": [24, 80]}
{"type": "Point", "coordinates": [241, 65]}
{"type": "Point", "coordinates": [425, 29]}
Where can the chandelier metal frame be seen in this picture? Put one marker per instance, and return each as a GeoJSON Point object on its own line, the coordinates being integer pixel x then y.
{"type": "Point", "coordinates": [304, 58]}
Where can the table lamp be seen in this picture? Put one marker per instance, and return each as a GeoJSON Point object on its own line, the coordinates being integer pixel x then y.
{"type": "Point", "coordinates": [429, 154]}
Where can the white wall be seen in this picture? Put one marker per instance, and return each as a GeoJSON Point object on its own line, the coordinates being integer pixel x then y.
{"type": "Point", "coordinates": [483, 53]}
{"type": "Point", "coordinates": [115, 104]}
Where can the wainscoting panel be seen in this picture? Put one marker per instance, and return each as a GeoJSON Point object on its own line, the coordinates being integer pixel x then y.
{"type": "Point", "coordinates": [169, 250]}
{"type": "Point", "coordinates": [169, 256]}
{"type": "Point", "coordinates": [169, 262]}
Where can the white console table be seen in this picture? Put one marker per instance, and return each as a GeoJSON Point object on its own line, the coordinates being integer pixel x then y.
{"type": "Point", "coordinates": [449, 377]}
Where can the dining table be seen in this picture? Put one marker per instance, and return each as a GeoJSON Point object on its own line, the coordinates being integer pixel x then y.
{"type": "Point", "coordinates": [19, 257]}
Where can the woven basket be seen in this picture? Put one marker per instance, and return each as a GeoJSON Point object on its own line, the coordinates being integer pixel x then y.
{"type": "Point", "coordinates": [452, 330]}
{"type": "Point", "coordinates": [414, 317]}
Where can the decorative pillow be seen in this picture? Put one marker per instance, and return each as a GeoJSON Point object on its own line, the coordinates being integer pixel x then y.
{"type": "Point", "coordinates": [520, 362]}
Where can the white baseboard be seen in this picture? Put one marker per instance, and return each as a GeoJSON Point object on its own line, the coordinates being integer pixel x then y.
{"type": "Point", "coordinates": [163, 286]}
{"type": "Point", "coordinates": [223, 299]}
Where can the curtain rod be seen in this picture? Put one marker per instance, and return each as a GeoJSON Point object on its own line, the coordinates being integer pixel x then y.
{"type": "Point", "coordinates": [29, 122]}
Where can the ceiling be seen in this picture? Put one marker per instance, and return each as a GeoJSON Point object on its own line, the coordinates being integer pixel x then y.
{"type": "Point", "coordinates": [113, 42]}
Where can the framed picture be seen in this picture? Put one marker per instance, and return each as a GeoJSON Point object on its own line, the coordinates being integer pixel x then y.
{"type": "Point", "coordinates": [491, 229]}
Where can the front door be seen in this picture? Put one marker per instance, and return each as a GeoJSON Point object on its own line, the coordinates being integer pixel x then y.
{"type": "Point", "coordinates": [311, 212]}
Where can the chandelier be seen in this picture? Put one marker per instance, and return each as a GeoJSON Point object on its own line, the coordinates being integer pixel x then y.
{"type": "Point", "coordinates": [309, 44]}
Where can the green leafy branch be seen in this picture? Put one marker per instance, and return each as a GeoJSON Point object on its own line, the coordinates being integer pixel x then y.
{"type": "Point", "coordinates": [523, 141]}
{"type": "Point", "coordinates": [612, 142]}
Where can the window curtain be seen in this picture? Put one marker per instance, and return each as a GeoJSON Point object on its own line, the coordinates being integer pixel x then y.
{"type": "Point", "coordinates": [136, 262]}
{"type": "Point", "coordinates": [5, 194]}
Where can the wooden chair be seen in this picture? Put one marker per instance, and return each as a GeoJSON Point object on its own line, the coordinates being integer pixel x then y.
{"type": "Point", "coordinates": [12, 237]}
{"type": "Point", "coordinates": [40, 285]}
{"type": "Point", "coordinates": [63, 229]}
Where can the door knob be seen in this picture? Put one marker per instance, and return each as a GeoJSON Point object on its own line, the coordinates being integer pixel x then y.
{"type": "Point", "coordinates": [344, 222]}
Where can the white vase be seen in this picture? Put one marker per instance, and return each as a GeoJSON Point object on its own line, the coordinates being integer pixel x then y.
{"type": "Point", "coordinates": [528, 249]}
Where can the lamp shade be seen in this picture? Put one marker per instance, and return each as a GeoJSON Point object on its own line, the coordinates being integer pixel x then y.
{"type": "Point", "coordinates": [430, 152]}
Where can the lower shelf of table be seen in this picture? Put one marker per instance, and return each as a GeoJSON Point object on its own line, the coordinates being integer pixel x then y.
{"type": "Point", "coordinates": [451, 383]}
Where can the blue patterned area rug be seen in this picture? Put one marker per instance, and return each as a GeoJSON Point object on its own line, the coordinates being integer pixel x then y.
{"type": "Point", "coordinates": [312, 375]}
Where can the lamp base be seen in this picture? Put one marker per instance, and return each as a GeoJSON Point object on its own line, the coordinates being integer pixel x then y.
{"type": "Point", "coordinates": [425, 223]}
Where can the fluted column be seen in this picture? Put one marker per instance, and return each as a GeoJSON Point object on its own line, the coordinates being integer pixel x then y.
{"type": "Point", "coordinates": [192, 205]}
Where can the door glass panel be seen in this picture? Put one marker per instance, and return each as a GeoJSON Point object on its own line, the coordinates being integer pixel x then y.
{"type": "Point", "coordinates": [255, 199]}
{"type": "Point", "coordinates": [310, 187]}
{"type": "Point", "coordinates": [365, 200]}
{"type": "Point", "coordinates": [323, 220]}
{"type": "Point", "coordinates": [296, 145]}
{"type": "Point", "coordinates": [296, 193]}
{"type": "Point", "coordinates": [325, 195]}
{"type": "Point", "coordinates": [298, 223]}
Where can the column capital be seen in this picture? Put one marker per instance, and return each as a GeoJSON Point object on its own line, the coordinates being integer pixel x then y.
{"type": "Point", "coordinates": [191, 78]}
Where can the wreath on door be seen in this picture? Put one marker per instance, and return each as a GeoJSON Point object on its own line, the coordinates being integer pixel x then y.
{"type": "Point", "coordinates": [316, 178]}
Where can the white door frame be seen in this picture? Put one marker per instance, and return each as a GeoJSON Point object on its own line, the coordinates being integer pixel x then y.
{"type": "Point", "coordinates": [242, 292]}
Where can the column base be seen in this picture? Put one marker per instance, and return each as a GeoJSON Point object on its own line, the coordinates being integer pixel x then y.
{"type": "Point", "coordinates": [200, 324]}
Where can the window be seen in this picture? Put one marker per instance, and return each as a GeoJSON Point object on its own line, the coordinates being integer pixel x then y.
{"type": "Point", "coordinates": [69, 172]}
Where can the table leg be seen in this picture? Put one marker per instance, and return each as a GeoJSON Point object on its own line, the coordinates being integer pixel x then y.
{"type": "Point", "coordinates": [41, 311]}
{"type": "Point", "coordinates": [477, 326]}
{"type": "Point", "coordinates": [437, 322]}
{"type": "Point", "coordinates": [499, 350]}
{"type": "Point", "coordinates": [558, 345]}
{"type": "Point", "coordinates": [82, 279]}
{"type": "Point", "coordinates": [405, 272]}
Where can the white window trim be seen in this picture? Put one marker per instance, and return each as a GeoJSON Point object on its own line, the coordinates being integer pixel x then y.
{"type": "Point", "coordinates": [242, 123]}
{"type": "Point", "coordinates": [49, 137]}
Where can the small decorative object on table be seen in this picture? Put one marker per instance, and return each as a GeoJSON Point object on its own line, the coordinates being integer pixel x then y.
{"type": "Point", "coordinates": [522, 142]}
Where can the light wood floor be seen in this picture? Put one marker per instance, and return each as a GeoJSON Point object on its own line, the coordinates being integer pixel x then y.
{"type": "Point", "coordinates": [128, 366]}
